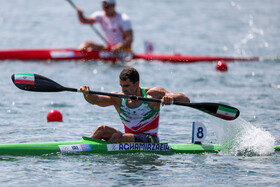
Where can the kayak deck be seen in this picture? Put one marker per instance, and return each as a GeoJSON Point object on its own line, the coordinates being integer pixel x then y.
{"type": "Point", "coordinates": [93, 146]}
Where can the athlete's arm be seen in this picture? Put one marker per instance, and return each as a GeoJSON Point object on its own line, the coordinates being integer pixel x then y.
{"type": "Point", "coordinates": [100, 100]}
{"type": "Point", "coordinates": [82, 18]}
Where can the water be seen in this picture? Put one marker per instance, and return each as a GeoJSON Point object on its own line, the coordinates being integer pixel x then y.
{"type": "Point", "coordinates": [228, 28]}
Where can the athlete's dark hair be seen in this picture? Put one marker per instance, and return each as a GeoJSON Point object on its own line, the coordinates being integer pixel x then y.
{"type": "Point", "coordinates": [129, 73]}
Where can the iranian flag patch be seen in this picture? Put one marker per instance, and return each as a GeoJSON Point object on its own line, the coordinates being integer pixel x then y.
{"type": "Point", "coordinates": [226, 112]}
{"type": "Point", "coordinates": [24, 78]}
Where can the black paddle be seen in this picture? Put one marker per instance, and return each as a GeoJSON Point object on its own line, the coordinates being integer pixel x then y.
{"type": "Point", "coordinates": [38, 83]}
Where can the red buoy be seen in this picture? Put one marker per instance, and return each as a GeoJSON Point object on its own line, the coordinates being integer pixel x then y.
{"type": "Point", "coordinates": [221, 66]}
{"type": "Point", "coordinates": [54, 115]}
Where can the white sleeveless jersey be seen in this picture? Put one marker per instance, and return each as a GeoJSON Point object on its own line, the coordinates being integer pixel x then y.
{"type": "Point", "coordinates": [139, 119]}
{"type": "Point", "coordinates": [113, 27]}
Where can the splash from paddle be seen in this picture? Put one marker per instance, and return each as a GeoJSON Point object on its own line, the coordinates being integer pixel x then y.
{"type": "Point", "coordinates": [38, 83]}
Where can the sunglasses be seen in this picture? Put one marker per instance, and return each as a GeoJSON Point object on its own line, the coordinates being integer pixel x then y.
{"type": "Point", "coordinates": [106, 5]}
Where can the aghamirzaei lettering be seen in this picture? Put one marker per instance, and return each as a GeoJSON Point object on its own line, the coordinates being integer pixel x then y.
{"type": "Point", "coordinates": [138, 147]}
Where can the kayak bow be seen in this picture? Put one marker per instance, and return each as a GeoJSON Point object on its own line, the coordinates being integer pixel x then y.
{"type": "Point", "coordinates": [93, 146]}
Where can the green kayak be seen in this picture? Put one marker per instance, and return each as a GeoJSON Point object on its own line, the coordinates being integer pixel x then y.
{"type": "Point", "coordinates": [93, 146]}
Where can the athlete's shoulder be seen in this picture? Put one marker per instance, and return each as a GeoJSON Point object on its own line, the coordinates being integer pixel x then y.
{"type": "Point", "coordinates": [124, 16]}
{"type": "Point", "coordinates": [156, 92]}
{"type": "Point", "coordinates": [146, 89]}
{"type": "Point", "coordinates": [97, 14]}
{"type": "Point", "coordinates": [157, 89]}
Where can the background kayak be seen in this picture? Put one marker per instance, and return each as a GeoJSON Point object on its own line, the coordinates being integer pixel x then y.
{"type": "Point", "coordinates": [72, 54]}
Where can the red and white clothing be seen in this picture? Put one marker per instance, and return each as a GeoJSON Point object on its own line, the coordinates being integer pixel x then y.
{"type": "Point", "coordinates": [140, 119]}
{"type": "Point", "coordinates": [113, 27]}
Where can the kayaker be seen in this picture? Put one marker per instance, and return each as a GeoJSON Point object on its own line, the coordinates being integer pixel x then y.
{"type": "Point", "coordinates": [116, 26]}
{"type": "Point", "coordinates": [140, 118]}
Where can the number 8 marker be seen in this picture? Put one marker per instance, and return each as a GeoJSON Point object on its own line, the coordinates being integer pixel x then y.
{"type": "Point", "coordinates": [199, 132]}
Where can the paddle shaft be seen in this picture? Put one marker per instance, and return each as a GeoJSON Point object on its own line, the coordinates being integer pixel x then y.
{"type": "Point", "coordinates": [192, 105]}
{"type": "Point", "coordinates": [94, 29]}
{"type": "Point", "coordinates": [38, 83]}
{"type": "Point", "coordinates": [116, 95]}
{"type": "Point", "coordinates": [210, 108]}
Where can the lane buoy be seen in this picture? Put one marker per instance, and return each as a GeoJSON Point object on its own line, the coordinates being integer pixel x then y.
{"type": "Point", "coordinates": [221, 66]}
{"type": "Point", "coordinates": [54, 116]}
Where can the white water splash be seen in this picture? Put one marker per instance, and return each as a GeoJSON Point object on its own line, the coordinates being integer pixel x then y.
{"type": "Point", "coordinates": [243, 137]}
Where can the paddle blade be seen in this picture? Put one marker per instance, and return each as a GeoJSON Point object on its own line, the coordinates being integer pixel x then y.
{"type": "Point", "coordinates": [36, 83]}
{"type": "Point", "coordinates": [227, 112]}
{"type": "Point", "coordinates": [219, 110]}
{"type": "Point", "coordinates": [215, 109]}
